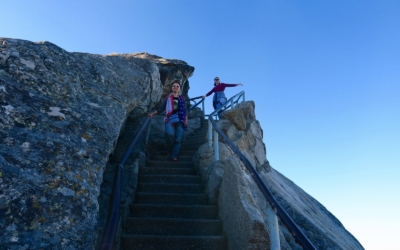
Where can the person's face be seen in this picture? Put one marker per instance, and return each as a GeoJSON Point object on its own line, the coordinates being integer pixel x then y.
{"type": "Point", "coordinates": [216, 81]}
{"type": "Point", "coordinates": [176, 87]}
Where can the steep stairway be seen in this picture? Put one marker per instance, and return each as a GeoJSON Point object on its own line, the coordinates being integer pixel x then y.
{"type": "Point", "coordinates": [171, 210]}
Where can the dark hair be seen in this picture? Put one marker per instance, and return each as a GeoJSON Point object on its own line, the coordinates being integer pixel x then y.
{"type": "Point", "coordinates": [176, 81]}
{"type": "Point", "coordinates": [216, 78]}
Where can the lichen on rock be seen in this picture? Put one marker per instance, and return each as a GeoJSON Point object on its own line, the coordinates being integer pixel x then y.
{"type": "Point", "coordinates": [61, 114]}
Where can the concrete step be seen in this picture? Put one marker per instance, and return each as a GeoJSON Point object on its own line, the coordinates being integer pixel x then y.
{"type": "Point", "coordinates": [166, 164]}
{"type": "Point", "coordinates": [199, 137]}
{"type": "Point", "coordinates": [197, 141]}
{"type": "Point", "coordinates": [190, 143]}
{"type": "Point", "coordinates": [172, 226]}
{"type": "Point", "coordinates": [167, 158]}
{"type": "Point", "coordinates": [162, 242]}
{"type": "Point", "coordinates": [166, 171]}
{"type": "Point", "coordinates": [170, 199]}
{"type": "Point", "coordinates": [170, 188]}
{"type": "Point", "coordinates": [185, 152]}
{"type": "Point", "coordinates": [171, 179]}
{"type": "Point", "coordinates": [174, 211]}
{"type": "Point", "coordinates": [190, 147]}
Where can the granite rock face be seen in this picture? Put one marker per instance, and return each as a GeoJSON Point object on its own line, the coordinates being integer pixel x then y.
{"type": "Point", "coordinates": [242, 206]}
{"type": "Point", "coordinates": [170, 70]}
{"type": "Point", "coordinates": [211, 171]}
{"type": "Point", "coordinates": [241, 127]}
{"type": "Point", "coordinates": [60, 117]}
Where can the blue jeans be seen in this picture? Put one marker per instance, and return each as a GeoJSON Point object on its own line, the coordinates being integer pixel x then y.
{"type": "Point", "coordinates": [173, 138]}
{"type": "Point", "coordinates": [218, 105]}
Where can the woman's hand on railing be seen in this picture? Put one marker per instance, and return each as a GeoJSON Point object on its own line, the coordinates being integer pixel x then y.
{"type": "Point", "coordinates": [204, 97]}
{"type": "Point", "coordinates": [239, 84]}
{"type": "Point", "coordinates": [191, 99]}
{"type": "Point", "coordinates": [151, 114]}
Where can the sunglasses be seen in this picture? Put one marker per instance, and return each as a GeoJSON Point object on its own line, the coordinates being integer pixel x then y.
{"type": "Point", "coordinates": [216, 79]}
{"type": "Point", "coordinates": [176, 86]}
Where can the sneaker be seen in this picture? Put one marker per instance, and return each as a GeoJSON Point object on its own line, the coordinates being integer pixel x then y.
{"type": "Point", "coordinates": [175, 160]}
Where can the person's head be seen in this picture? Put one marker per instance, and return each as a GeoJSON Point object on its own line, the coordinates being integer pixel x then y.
{"type": "Point", "coordinates": [216, 81]}
{"type": "Point", "coordinates": [176, 87]}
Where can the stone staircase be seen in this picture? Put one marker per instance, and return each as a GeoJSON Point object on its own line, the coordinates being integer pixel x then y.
{"type": "Point", "coordinates": [171, 210]}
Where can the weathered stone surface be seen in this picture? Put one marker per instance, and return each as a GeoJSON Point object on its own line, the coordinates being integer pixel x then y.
{"type": "Point", "coordinates": [60, 117]}
{"type": "Point", "coordinates": [247, 136]}
{"type": "Point", "coordinates": [242, 206]}
{"type": "Point", "coordinates": [321, 227]}
{"type": "Point", "coordinates": [214, 180]}
{"type": "Point", "coordinates": [129, 175]}
{"type": "Point", "coordinates": [243, 221]}
{"type": "Point", "coordinates": [248, 109]}
{"type": "Point", "coordinates": [170, 70]}
{"type": "Point", "coordinates": [236, 117]}
{"type": "Point", "coordinates": [204, 158]}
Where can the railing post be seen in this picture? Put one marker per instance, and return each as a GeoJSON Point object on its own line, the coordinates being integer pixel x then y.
{"type": "Point", "coordinates": [209, 133]}
{"type": "Point", "coordinates": [273, 229]}
{"type": "Point", "coordinates": [216, 148]}
{"type": "Point", "coordinates": [202, 104]}
{"type": "Point", "coordinates": [148, 132]}
{"type": "Point", "coordinates": [243, 97]}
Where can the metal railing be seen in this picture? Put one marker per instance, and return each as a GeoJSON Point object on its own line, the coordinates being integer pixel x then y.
{"type": "Point", "coordinates": [115, 199]}
{"type": "Point", "coordinates": [231, 103]}
{"type": "Point", "coordinates": [196, 103]}
{"type": "Point", "coordinates": [113, 216]}
{"type": "Point", "coordinates": [275, 209]}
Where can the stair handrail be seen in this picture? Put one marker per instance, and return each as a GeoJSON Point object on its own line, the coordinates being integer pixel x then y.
{"type": "Point", "coordinates": [230, 103]}
{"type": "Point", "coordinates": [196, 103]}
{"type": "Point", "coordinates": [298, 235]}
{"type": "Point", "coordinates": [115, 198]}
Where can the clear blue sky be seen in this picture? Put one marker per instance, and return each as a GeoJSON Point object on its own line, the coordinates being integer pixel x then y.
{"type": "Point", "coordinates": [325, 77]}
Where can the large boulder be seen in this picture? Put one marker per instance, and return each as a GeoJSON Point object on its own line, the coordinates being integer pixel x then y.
{"type": "Point", "coordinates": [243, 207]}
{"type": "Point", "coordinates": [60, 117]}
{"type": "Point", "coordinates": [170, 70]}
{"type": "Point", "coordinates": [323, 229]}
{"type": "Point", "coordinates": [211, 171]}
{"type": "Point", "coordinates": [241, 127]}
{"type": "Point", "coordinates": [243, 220]}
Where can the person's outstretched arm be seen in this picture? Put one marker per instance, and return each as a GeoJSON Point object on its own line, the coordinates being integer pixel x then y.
{"type": "Point", "coordinates": [232, 84]}
{"type": "Point", "coordinates": [209, 93]}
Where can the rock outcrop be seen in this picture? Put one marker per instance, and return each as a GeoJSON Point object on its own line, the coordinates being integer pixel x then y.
{"type": "Point", "coordinates": [170, 70]}
{"type": "Point", "coordinates": [60, 117]}
{"type": "Point", "coordinates": [242, 206]}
